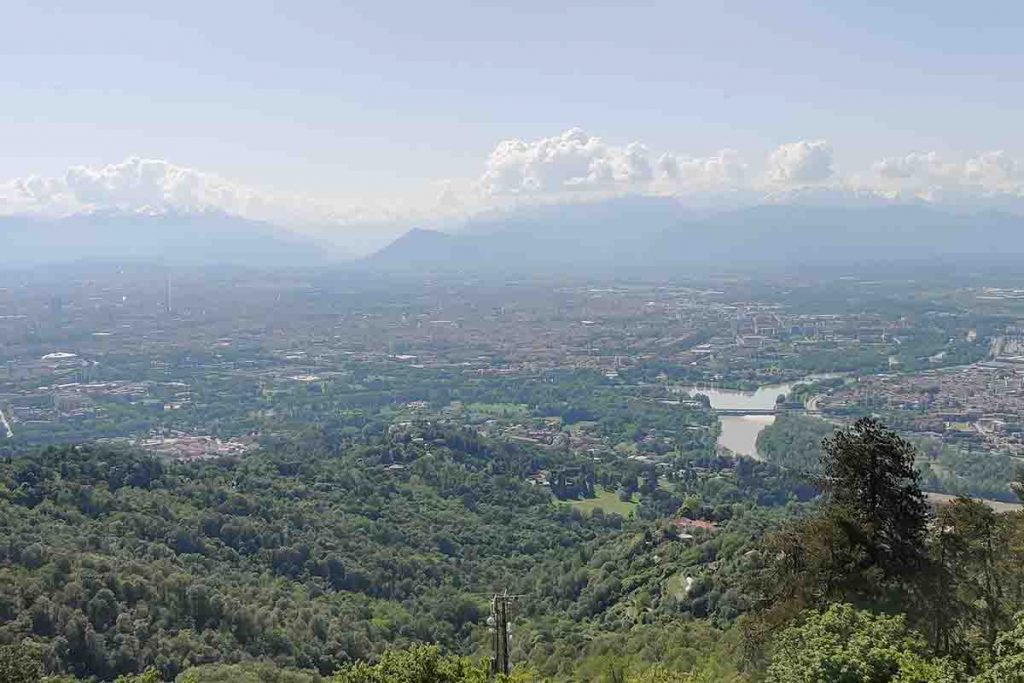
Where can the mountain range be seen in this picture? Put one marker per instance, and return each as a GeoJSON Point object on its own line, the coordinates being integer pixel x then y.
{"type": "Point", "coordinates": [195, 238]}
{"type": "Point", "coordinates": [628, 235]}
{"type": "Point", "coordinates": [658, 234]}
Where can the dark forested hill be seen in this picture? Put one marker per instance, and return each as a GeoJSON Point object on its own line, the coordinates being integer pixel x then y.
{"type": "Point", "coordinates": [319, 557]}
{"type": "Point", "coordinates": [307, 559]}
{"type": "Point", "coordinates": [311, 556]}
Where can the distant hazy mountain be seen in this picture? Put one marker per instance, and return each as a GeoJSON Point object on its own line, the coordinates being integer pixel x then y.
{"type": "Point", "coordinates": [659, 234]}
{"type": "Point", "coordinates": [579, 236]}
{"type": "Point", "coordinates": [186, 238]}
{"type": "Point", "coordinates": [423, 246]}
{"type": "Point", "coordinates": [627, 235]}
{"type": "Point", "coordinates": [808, 235]}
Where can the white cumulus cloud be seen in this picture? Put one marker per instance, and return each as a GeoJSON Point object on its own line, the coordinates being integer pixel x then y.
{"type": "Point", "coordinates": [725, 169]}
{"type": "Point", "coordinates": [801, 163]}
{"type": "Point", "coordinates": [575, 161]}
{"type": "Point", "coordinates": [995, 171]}
{"type": "Point", "coordinates": [927, 174]}
{"type": "Point", "coordinates": [925, 167]}
{"type": "Point", "coordinates": [132, 185]}
{"type": "Point", "coordinates": [572, 160]}
{"type": "Point", "coordinates": [154, 186]}
{"type": "Point", "coordinates": [150, 186]}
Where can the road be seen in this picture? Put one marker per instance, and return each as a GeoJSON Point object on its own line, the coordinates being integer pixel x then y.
{"type": "Point", "coordinates": [996, 505]}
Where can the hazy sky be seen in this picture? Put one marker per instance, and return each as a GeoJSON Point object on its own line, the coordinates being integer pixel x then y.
{"type": "Point", "coordinates": [362, 100]}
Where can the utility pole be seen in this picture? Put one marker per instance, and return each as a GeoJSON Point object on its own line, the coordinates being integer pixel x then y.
{"type": "Point", "coordinates": [500, 663]}
{"type": "Point", "coordinates": [167, 291]}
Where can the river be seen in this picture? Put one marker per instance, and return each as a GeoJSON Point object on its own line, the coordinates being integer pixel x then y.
{"type": "Point", "coordinates": [739, 432]}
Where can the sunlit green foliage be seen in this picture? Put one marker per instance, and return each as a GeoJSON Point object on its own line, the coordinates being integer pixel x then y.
{"type": "Point", "coordinates": [847, 645]}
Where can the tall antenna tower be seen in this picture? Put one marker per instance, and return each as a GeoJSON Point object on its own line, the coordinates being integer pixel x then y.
{"type": "Point", "coordinates": [167, 291]}
{"type": "Point", "coordinates": [500, 607]}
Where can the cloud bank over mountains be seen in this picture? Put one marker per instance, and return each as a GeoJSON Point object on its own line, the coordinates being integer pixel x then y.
{"type": "Point", "coordinates": [576, 161]}
{"type": "Point", "coordinates": [571, 166]}
{"type": "Point", "coordinates": [575, 164]}
{"type": "Point", "coordinates": [989, 173]}
{"type": "Point", "coordinates": [138, 185]}
{"type": "Point", "coordinates": [132, 185]}
{"type": "Point", "coordinates": [806, 161]}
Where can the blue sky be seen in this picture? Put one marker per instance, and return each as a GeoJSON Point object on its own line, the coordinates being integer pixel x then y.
{"type": "Point", "coordinates": [386, 99]}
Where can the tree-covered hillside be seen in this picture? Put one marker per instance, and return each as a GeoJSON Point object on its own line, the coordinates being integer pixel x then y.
{"type": "Point", "coordinates": [322, 559]}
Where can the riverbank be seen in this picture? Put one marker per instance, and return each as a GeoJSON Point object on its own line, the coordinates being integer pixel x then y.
{"type": "Point", "coordinates": [739, 432]}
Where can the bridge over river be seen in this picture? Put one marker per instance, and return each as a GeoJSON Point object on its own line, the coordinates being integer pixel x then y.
{"type": "Point", "coordinates": [762, 411]}
{"type": "Point", "coordinates": [745, 411]}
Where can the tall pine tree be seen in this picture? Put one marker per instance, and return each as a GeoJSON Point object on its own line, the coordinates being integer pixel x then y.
{"type": "Point", "coordinates": [869, 473]}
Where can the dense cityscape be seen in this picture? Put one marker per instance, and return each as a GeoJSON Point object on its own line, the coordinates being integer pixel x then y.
{"type": "Point", "coordinates": [690, 412]}
{"type": "Point", "coordinates": [193, 365]}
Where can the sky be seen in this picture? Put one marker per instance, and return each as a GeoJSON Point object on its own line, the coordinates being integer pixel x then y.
{"type": "Point", "coordinates": [327, 111]}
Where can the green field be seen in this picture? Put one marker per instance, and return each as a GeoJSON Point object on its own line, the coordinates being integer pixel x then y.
{"type": "Point", "coordinates": [511, 411]}
{"type": "Point", "coordinates": [607, 501]}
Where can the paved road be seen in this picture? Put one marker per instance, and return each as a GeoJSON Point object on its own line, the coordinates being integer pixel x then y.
{"type": "Point", "coordinates": [812, 404]}
{"type": "Point", "coordinates": [996, 505]}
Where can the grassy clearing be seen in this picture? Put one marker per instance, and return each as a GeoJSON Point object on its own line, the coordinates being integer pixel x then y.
{"type": "Point", "coordinates": [607, 501]}
{"type": "Point", "coordinates": [508, 411]}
